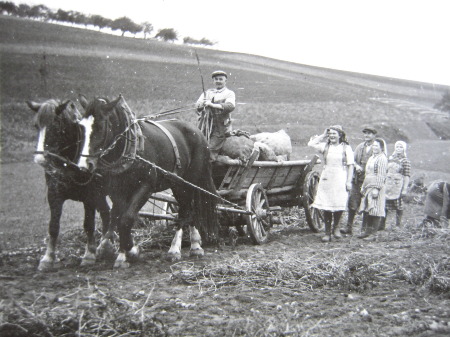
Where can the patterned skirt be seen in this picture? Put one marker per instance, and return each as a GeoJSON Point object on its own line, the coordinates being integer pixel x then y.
{"type": "Point", "coordinates": [394, 205]}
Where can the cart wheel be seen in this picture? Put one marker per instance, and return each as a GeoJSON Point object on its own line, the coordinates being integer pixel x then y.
{"type": "Point", "coordinates": [314, 217]}
{"type": "Point", "coordinates": [260, 221]}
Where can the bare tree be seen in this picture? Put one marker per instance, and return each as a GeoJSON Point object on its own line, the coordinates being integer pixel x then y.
{"type": "Point", "coordinates": [147, 28]}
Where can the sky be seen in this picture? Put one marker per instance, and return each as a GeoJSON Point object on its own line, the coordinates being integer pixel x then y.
{"type": "Point", "coordinates": [407, 39]}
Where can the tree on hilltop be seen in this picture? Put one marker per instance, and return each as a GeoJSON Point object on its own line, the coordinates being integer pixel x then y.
{"type": "Point", "coordinates": [23, 10]}
{"type": "Point", "coordinates": [203, 41]}
{"type": "Point", "coordinates": [8, 7]}
{"type": "Point", "coordinates": [99, 21]}
{"type": "Point", "coordinates": [167, 34]}
{"type": "Point", "coordinates": [147, 28]}
{"type": "Point", "coordinates": [39, 12]}
{"type": "Point", "coordinates": [61, 15]}
{"type": "Point", "coordinates": [125, 25]}
{"type": "Point", "coordinates": [78, 18]}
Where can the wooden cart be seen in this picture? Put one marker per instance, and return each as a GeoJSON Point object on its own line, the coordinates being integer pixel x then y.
{"type": "Point", "coordinates": [255, 191]}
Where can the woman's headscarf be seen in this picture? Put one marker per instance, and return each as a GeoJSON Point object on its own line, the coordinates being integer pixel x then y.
{"type": "Point", "coordinates": [403, 144]}
{"type": "Point", "coordinates": [340, 131]}
{"type": "Point", "coordinates": [383, 145]}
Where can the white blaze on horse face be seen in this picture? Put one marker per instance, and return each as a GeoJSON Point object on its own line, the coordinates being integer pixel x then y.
{"type": "Point", "coordinates": [87, 123]}
{"type": "Point", "coordinates": [39, 157]}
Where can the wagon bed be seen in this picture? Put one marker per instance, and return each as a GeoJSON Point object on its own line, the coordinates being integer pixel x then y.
{"type": "Point", "coordinates": [255, 191]}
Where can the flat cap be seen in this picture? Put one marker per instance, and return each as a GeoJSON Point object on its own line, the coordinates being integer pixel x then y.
{"type": "Point", "coordinates": [370, 129]}
{"type": "Point", "coordinates": [219, 73]}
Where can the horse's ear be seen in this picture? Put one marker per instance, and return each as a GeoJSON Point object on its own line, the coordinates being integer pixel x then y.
{"type": "Point", "coordinates": [83, 101]}
{"type": "Point", "coordinates": [33, 105]}
{"type": "Point", "coordinates": [112, 104]}
{"type": "Point", "coordinates": [61, 107]}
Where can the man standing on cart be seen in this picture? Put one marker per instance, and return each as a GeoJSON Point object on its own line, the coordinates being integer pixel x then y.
{"type": "Point", "coordinates": [214, 107]}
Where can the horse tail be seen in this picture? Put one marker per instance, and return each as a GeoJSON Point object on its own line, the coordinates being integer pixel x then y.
{"type": "Point", "coordinates": [205, 205]}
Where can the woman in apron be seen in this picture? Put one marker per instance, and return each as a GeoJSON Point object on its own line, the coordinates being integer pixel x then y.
{"type": "Point", "coordinates": [373, 190]}
{"type": "Point", "coordinates": [397, 181]}
{"type": "Point", "coordinates": [336, 178]}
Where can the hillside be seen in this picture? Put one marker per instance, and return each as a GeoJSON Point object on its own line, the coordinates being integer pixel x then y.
{"type": "Point", "coordinates": [155, 76]}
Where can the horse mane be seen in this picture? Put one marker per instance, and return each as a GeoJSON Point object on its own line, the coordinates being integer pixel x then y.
{"type": "Point", "coordinates": [46, 113]}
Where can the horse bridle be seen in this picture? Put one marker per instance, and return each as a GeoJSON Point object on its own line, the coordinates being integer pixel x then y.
{"type": "Point", "coordinates": [47, 153]}
{"type": "Point", "coordinates": [130, 122]}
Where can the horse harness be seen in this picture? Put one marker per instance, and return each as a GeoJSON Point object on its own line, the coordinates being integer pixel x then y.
{"type": "Point", "coordinates": [134, 142]}
{"type": "Point", "coordinates": [172, 141]}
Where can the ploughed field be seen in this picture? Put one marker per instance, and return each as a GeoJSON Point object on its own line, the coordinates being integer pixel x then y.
{"type": "Point", "coordinates": [292, 286]}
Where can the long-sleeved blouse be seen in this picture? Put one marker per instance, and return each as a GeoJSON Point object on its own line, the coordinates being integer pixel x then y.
{"type": "Point", "coordinates": [375, 178]}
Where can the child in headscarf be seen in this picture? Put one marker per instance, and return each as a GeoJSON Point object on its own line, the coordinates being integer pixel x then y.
{"type": "Point", "coordinates": [373, 190]}
{"type": "Point", "coordinates": [397, 180]}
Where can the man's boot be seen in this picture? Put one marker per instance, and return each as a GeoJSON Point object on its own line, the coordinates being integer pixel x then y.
{"type": "Point", "coordinates": [327, 237]}
{"type": "Point", "coordinates": [398, 218]}
{"type": "Point", "coordinates": [365, 229]}
{"type": "Point", "coordinates": [350, 219]}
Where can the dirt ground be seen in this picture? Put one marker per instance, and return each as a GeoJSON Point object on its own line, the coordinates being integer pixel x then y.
{"type": "Point", "coordinates": [294, 285]}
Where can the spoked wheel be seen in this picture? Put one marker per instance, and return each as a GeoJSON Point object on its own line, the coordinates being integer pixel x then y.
{"type": "Point", "coordinates": [314, 217]}
{"type": "Point", "coordinates": [260, 221]}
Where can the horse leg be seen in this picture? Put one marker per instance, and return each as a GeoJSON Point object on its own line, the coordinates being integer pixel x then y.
{"type": "Point", "coordinates": [184, 198]}
{"type": "Point", "coordinates": [174, 253]}
{"type": "Point", "coordinates": [56, 204]}
{"type": "Point", "coordinates": [127, 250]}
{"type": "Point", "coordinates": [196, 241]}
{"type": "Point", "coordinates": [89, 227]}
{"type": "Point", "coordinates": [105, 249]}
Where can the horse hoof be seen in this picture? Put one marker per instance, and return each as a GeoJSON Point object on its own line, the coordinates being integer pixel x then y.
{"type": "Point", "coordinates": [121, 265]}
{"type": "Point", "coordinates": [197, 252]}
{"type": "Point", "coordinates": [45, 266]}
{"type": "Point", "coordinates": [133, 254]}
{"type": "Point", "coordinates": [105, 250]}
{"type": "Point", "coordinates": [172, 257]}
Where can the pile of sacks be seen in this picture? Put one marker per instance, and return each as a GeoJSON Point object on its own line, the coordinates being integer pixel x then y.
{"type": "Point", "coordinates": [272, 146]}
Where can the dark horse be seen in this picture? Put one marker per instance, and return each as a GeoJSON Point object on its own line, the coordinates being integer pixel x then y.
{"type": "Point", "coordinates": [58, 145]}
{"type": "Point", "coordinates": [141, 158]}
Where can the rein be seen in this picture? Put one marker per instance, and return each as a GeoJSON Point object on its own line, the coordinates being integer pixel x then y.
{"type": "Point", "coordinates": [176, 178]}
{"type": "Point", "coordinates": [130, 134]}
